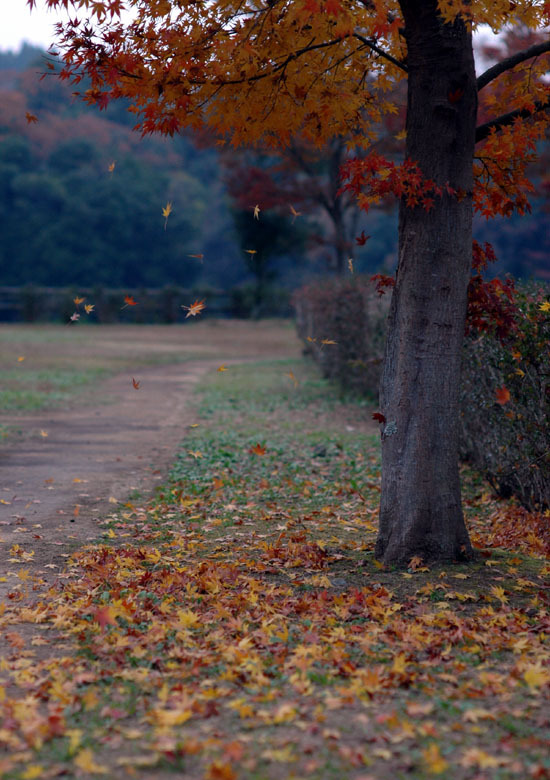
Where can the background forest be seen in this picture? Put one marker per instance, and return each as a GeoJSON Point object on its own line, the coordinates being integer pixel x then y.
{"type": "Point", "coordinates": [68, 217]}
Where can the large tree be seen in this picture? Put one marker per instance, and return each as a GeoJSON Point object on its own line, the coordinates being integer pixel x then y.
{"type": "Point", "coordinates": [267, 70]}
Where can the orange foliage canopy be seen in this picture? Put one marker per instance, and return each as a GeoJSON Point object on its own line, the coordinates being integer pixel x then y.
{"type": "Point", "coordinates": [271, 68]}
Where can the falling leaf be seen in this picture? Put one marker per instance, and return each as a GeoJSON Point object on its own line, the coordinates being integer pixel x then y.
{"type": "Point", "coordinates": [291, 376]}
{"type": "Point", "coordinates": [44, 434]}
{"type": "Point", "coordinates": [198, 256]}
{"type": "Point", "coordinates": [222, 368]}
{"type": "Point", "coordinates": [135, 383]}
{"type": "Point", "coordinates": [502, 395]}
{"type": "Point", "coordinates": [295, 213]}
{"type": "Point", "coordinates": [89, 307]}
{"type": "Point", "coordinates": [21, 358]}
{"type": "Point", "coordinates": [111, 166]}
{"type": "Point", "coordinates": [545, 306]}
{"type": "Point", "coordinates": [31, 118]}
{"type": "Point", "coordinates": [350, 265]}
{"type": "Point", "coordinates": [251, 251]}
{"type": "Point", "coordinates": [194, 309]}
{"type": "Point", "coordinates": [74, 317]}
{"type": "Point", "coordinates": [362, 239]}
{"type": "Point", "coordinates": [312, 339]}
{"type": "Point", "coordinates": [129, 301]}
{"type": "Point", "coordinates": [454, 95]}
{"type": "Point", "coordinates": [257, 449]}
{"type": "Point", "coordinates": [325, 342]}
{"type": "Point", "coordinates": [166, 211]}
{"type": "Point", "coordinates": [78, 300]}
{"type": "Point", "coordinates": [256, 212]}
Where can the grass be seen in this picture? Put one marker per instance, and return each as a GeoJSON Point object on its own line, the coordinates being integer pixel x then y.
{"type": "Point", "coordinates": [237, 625]}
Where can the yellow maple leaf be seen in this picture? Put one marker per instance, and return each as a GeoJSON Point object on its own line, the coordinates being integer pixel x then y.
{"type": "Point", "coordinates": [545, 306]}
{"type": "Point", "coordinates": [435, 763]}
{"type": "Point", "coordinates": [166, 211]}
{"type": "Point", "coordinates": [85, 761]}
{"type": "Point", "coordinates": [89, 307]}
{"type": "Point", "coordinates": [536, 676]}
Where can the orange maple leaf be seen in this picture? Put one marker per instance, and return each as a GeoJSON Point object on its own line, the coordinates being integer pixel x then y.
{"type": "Point", "coordinates": [257, 449]}
{"type": "Point", "coordinates": [31, 118]}
{"type": "Point", "coordinates": [105, 616]}
{"type": "Point", "coordinates": [502, 395]}
{"type": "Point", "coordinates": [135, 383]}
{"type": "Point", "coordinates": [194, 309]}
{"type": "Point", "coordinates": [129, 301]}
{"type": "Point", "coordinates": [78, 300]}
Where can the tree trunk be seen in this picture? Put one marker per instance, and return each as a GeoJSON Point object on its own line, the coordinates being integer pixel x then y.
{"type": "Point", "coordinates": [421, 512]}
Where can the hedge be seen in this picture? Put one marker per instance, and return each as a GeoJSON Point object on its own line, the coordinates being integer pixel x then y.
{"type": "Point", "coordinates": [505, 389]}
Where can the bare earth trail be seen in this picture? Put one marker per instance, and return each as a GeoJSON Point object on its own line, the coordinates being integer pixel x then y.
{"type": "Point", "coordinates": [54, 487]}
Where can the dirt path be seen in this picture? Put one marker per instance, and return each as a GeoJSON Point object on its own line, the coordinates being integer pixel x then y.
{"type": "Point", "coordinates": [53, 488]}
{"type": "Point", "coordinates": [71, 466]}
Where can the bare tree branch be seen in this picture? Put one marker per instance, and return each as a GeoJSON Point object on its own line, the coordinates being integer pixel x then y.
{"type": "Point", "coordinates": [511, 62]}
{"type": "Point", "coordinates": [483, 131]}
{"type": "Point", "coordinates": [380, 51]}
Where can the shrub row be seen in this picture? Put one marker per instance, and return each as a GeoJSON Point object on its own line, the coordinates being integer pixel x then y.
{"type": "Point", "coordinates": [505, 390]}
{"type": "Point", "coordinates": [342, 323]}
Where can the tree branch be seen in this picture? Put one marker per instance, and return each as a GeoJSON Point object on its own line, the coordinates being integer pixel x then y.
{"type": "Point", "coordinates": [380, 51]}
{"type": "Point", "coordinates": [483, 131]}
{"type": "Point", "coordinates": [511, 62]}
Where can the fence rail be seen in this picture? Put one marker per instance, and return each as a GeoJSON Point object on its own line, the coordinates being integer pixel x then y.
{"type": "Point", "coordinates": [158, 305]}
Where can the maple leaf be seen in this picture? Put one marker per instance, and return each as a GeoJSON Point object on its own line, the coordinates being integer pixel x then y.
{"type": "Point", "coordinates": [111, 166]}
{"type": "Point", "coordinates": [105, 616]}
{"type": "Point", "coordinates": [31, 118]}
{"type": "Point", "coordinates": [435, 763]}
{"type": "Point", "coordinates": [251, 251]}
{"type": "Point", "coordinates": [21, 358]}
{"type": "Point", "coordinates": [220, 770]}
{"type": "Point", "coordinates": [74, 317]}
{"type": "Point", "coordinates": [198, 256]}
{"type": "Point", "coordinates": [78, 300]}
{"type": "Point", "coordinates": [454, 95]}
{"type": "Point", "coordinates": [327, 341]}
{"type": "Point", "coordinates": [350, 265]}
{"type": "Point", "coordinates": [135, 383]}
{"type": "Point", "coordinates": [256, 212]}
{"type": "Point", "coordinates": [536, 676]}
{"type": "Point", "coordinates": [257, 449]}
{"type": "Point", "coordinates": [194, 309]}
{"type": "Point", "coordinates": [85, 760]}
{"type": "Point", "coordinates": [362, 239]}
{"type": "Point", "coordinates": [128, 301]}
{"type": "Point", "coordinates": [166, 211]}
{"type": "Point", "coordinates": [291, 376]}
{"type": "Point", "coordinates": [89, 307]}
{"type": "Point", "coordinates": [545, 306]}
{"type": "Point", "coordinates": [502, 395]}
{"type": "Point", "coordinates": [223, 367]}
{"type": "Point", "coordinates": [294, 214]}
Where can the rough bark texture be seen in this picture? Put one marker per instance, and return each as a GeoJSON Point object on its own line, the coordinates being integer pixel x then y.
{"type": "Point", "coordinates": [421, 511]}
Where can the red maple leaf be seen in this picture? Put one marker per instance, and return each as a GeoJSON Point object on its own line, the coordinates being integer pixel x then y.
{"type": "Point", "coordinates": [362, 239]}
{"type": "Point", "coordinates": [502, 395]}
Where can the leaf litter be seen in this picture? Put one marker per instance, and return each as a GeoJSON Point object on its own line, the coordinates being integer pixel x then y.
{"type": "Point", "coordinates": [237, 625]}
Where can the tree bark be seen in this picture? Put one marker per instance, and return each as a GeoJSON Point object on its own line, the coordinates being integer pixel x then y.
{"type": "Point", "coordinates": [421, 512]}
